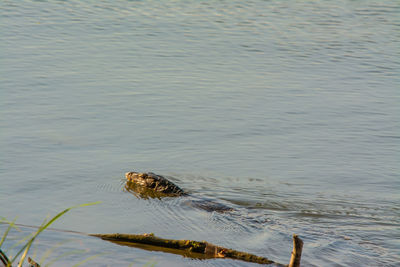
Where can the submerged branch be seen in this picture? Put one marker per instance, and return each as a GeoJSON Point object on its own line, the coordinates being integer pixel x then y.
{"type": "Point", "coordinates": [188, 248]}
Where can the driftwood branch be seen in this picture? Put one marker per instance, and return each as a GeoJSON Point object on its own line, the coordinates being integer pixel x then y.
{"type": "Point", "coordinates": [194, 249]}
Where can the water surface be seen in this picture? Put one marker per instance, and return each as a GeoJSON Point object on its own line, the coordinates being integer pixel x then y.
{"type": "Point", "coordinates": [286, 111]}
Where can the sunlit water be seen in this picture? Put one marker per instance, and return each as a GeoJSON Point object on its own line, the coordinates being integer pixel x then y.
{"type": "Point", "coordinates": [286, 111]}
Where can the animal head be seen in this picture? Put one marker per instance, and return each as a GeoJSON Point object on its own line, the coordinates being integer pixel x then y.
{"type": "Point", "coordinates": [148, 180]}
{"type": "Point", "coordinates": [138, 181]}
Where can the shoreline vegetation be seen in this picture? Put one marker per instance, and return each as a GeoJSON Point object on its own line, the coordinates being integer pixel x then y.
{"type": "Point", "coordinates": [186, 248]}
{"type": "Point", "coordinates": [8, 261]}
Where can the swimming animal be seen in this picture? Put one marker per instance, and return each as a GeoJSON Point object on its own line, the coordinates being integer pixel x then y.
{"type": "Point", "coordinates": [150, 185]}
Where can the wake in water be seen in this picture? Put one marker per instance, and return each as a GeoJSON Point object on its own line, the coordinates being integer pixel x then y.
{"type": "Point", "coordinates": [256, 210]}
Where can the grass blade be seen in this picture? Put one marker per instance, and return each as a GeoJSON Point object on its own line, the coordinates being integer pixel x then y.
{"type": "Point", "coordinates": [4, 259]}
{"type": "Point", "coordinates": [69, 253]}
{"type": "Point", "coordinates": [88, 259]}
{"type": "Point", "coordinates": [49, 251]}
{"type": "Point", "coordinates": [26, 247]}
{"type": "Point", "coordinates": [10, 225]}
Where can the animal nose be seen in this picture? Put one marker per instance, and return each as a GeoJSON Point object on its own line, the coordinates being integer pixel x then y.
{"type": "Point", "coordinates": [127, 174]}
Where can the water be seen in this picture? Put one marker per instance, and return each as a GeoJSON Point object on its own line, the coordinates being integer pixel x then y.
{"type": "Point", "coordinates": [286, 111]}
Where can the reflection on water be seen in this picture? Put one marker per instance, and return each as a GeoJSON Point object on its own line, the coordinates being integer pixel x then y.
{"type": "Point", "coordinates": [184, 253]}
{"type": "Point", "coordinates": [286, 112]}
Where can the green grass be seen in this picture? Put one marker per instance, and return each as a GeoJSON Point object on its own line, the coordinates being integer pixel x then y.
{"type": "Point", "coordinates": [28, 240]}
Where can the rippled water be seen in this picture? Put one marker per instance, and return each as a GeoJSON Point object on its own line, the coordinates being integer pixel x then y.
{"type": "Point", "coordinates": [287, 111]}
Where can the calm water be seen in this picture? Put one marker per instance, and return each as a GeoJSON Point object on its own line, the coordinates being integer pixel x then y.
{"type": "Point", "coordinates": [287, 111]}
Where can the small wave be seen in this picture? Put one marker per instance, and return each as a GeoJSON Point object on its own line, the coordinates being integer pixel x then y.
{"type": "Point", "coordinates": [109, 187]}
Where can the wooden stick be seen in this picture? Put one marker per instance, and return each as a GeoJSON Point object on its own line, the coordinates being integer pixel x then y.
{"type": "Point", "coordinates": [296, 253]}
{"type": "Point", "coordinates": [175, 246]}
